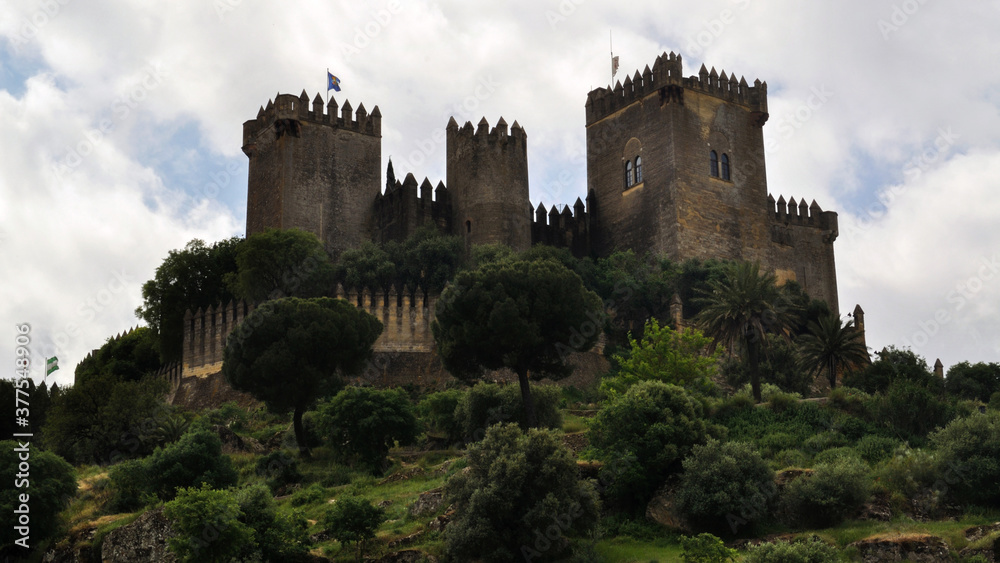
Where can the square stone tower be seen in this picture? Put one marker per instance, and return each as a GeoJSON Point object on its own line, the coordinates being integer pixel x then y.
{"type": "Point", "coordinates": [314, 170]}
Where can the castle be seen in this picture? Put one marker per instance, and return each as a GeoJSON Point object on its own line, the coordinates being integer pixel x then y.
{"type": "Point", "coordinates": [675, 165]}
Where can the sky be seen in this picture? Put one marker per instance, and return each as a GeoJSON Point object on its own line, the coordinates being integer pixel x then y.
{"type": "Point", "coordinates": [123, 126]}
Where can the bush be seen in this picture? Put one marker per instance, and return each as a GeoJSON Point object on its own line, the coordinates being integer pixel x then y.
{"type": "Point", "coordinates": [643, 435]}
{"type": "Point", "coordinates": [278, 469]}
{"type": "Point", "coordinates": [835, 454]}
{"type": "Point", "coordinates": [876, 449]}
{"type": "Point", "coordinates": [206, 525]}
{"type": "Point", "coordinates": [812, 550]}
{"type": "Point", "coordinates": [970, 454]}
{"type": "Point", "coordinates": [486, 404]}
{"type": "Point", "coordinates": [850, 400]}
{"type": "Point", "coordinates": [364, 423]}
{"type": "Point", "coordinates": [705, 548]}
{"type": "Point", "coordinates": [353, 520]}
{"type": "Point", "coordinates": [912, 410]}
{"type": "Point", "coordinates": [725, 485]}
{"type": "Point", "coordinates": [437, 411]}
{"type": "Point", "coordinates": [834, 491]}
{"type": "Point", "coordinates": [667, 355]}
{"type": "Point", "coordinates": [520, 490]}
{"type": "Point", "coordinates": [313, 494]}
{"type": "Point", "coordinates": [782, 401]}
{"type": "Point", "coordinates": [891, 366]}
{"type": "Point", "coordinates": [194, 459]}
{"type": "Point", "coordinates": [278, 536]}
{"type": "Point", "coordinates": [973, 381]}
{"type": "Point", "coordinates": [910, 472]}
{"type": "Point", "coordinates": [824, 441]}
{"type": "Point", "coordinates": [50, 485]}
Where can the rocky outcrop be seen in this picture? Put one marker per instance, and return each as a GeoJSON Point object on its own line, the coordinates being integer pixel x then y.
{"type": "Point", "coordinates": [661, 510]}
{"type": "Point", "coordinates": [234, 443]}
{"type": "Point", "coordinates": [142, 540]}
{"type": "Point", "coordinates": [428, 502]}
{"type": "Point", "coordinates": [905, 547]}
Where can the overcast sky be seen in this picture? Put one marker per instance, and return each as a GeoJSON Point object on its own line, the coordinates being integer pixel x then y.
{"type": "Point", "coordinates": [122, 125]}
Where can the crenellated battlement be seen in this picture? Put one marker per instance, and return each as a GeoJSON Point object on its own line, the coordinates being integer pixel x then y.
{"type": "Point", "coordinates": [286, 112]}
{"type": "Point", "coordinates": [568, 229]}
{"type": "Point", "coordinates": [405, 207]}
{"type": "Point", "coordinates": [482, 134]}
{"type": "Point", "coordinates": [666, 79]}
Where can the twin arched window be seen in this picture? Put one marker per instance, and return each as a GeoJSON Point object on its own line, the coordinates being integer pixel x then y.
{"type": "Point", "coordinates": [714, 165]}
{"type": "Point", "coordinates": [633, 173]}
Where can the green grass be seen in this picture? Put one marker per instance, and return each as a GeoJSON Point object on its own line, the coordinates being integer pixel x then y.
{"type": "Point", "coordinates": [573, 423]}
{"type": "Point", "coordinates": [626, 549]}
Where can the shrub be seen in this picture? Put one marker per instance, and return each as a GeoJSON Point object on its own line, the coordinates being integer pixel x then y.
{"type": "Point", "coordinates": [643, 435]}
{"type": "Point", "coordinates": [910, 471]}
{"type": "Point", "coordinates": [724, 484]}
{"type": "Point", "coordinates": [850, 400]}
{"type": "Point", "coordinates": [705, 548]}
{"type": "Point", "coordinates": [790, 458]}
{"type": "Point", "coordinates": [353, 520]}
{"type": "Point", "coordinates": [312, 494]}
{"type": "Point", "coordinates": [278, 469]}
{"type": "Point", "coordinates": [995, 401]}
{"type": "Point", "coordinates": [775, 442]}
{"type": "Point", "coordinates": [278, 536]}
{"type": "Point", "coordinates": [667, 355]}
{"type": "Point", "coordinates": [970, 453]}
{"type": "Point", "coordinates": [876, 449]}
{"type": "Point", "coordinates": [520, 497]}
{"type": "Point", "coordinates": [824, 441]}
{"type": "Point", "coordinates": [206, 525]}
{"type": "Point", "coordinates": [194, 459]}
{"type": "Point", "coordinates": [364, 423]}
{"type": "Point", "coordinates": [733, 405]}
{"type": "Point", "coordinates": [833, 491]}
{"type": "Point", "coordinates": [891, 366]}
{"type": "Point", "coordinates": [486, 404]}
{"type": "Point", "coordinates": [812, 550]}
{"type": "Point", "coordinates": [835, 454]}
{"type": "Point", "coordinates": [912, 410]}
{"type": "Point", "coordinates": [437, 411]}
{"type": "Point", "coordinates": [50, 484]}
{"type": "Point", "coordinates": [781, 401]}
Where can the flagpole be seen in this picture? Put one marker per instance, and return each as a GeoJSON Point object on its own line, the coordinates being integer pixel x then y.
{"type": "Point", "coordinates": [327, 85]}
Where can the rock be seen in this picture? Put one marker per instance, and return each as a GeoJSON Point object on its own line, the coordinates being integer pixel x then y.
{"type": "Point", "coordinates": [234, 443]}
{"type": "Point", "coordinates": [438, 524]}
{"type": "Point", "coordinates": [878, 508]}
{"type": "Point", "coordinates": [407, 556]}
{"type": "Point", "coordinates": [142, 540]}
{"type": "Point", "coordinates": [903, 547]}
{"type": "Point", "coordinates": [786, 476]}
{"type": "Point", "coordinates": [976, 533]}
{"type": "Point", "coordinates": [576, 442]}
{"type": "Point", "coordinates": [401, 475]}
{"type": "Point", "coordinates": [428, 502]}
{"type": "Point", "coordinates": [405, 540]}
{"type": "Point", "coordinates": [384, 504]}
{"type": "Point", "coordinates": [660, 509]}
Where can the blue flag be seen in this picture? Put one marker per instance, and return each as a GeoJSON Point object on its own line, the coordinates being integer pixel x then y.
{"type": "Point", "coordinates": [332, 82]}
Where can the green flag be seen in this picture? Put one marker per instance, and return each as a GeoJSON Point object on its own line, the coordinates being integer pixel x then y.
{"type": "Point", "coordinates": [51, 365]}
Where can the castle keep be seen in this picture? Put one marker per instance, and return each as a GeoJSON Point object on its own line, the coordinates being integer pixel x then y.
{"type": "Point", "coordinates": [675, 165]}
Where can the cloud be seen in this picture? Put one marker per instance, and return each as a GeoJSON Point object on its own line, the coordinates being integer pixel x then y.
{"type": "Point", "coordinates": [176, 82]}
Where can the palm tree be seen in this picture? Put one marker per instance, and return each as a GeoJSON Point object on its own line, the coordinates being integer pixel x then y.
{"type": "Point", "coordinates": [740, 309]}
{"type": "Point", "coordinates": [830, 343]}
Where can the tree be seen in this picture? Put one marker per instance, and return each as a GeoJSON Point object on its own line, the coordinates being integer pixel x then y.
{"type": "Point", "coordinates": [129, 358]}
{"type": "Point", "coordinates": [207, 525]}
{"type": "Point", "coordinates": [103, 419]}
{"type": "Point", "coordinates": [892, 365]}
{"type": "Point", "coordinates": [740, 309]}
{"type": "Point", "coordinates": [49, 485]}
{"type": "Point", "coordinates": [644, 434]}
{"type": "Point", "coordinates": [187, 279]}
{"type": "Point", "coordinates": [522, 494]}
{"type": "Point", "coordinates": [279, 263]}
{"type": "Point", "coordinates": [353, 520]}
{"type": "Point", "coordinates": [970, 450]}
{"type": "Point", "coordinates": [829, 344]}
{"type": "Point", "coordinates": [364, 423]}
{"type": "Point", "coordinates": [666, 355]}
{"type": "Point", "coordinates": [367, 267]}
{"type": "Point", "coordinates": [287, 352]}
{"type": "Point", "coordinates": [977, 381]}
{"type": "Point", "coordinates": [521, 315]}
{"type": "Point", "coordinates": [635, 288]}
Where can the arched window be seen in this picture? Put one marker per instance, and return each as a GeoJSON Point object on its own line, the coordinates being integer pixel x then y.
{"type": "Point", "coordinates": [468, 226]}
{"type": "Point", "coordinates": [628, 173]}
{"type": "Point", "coordinates": [725, 166]}
{"type": "Point", "coordinates": [714, 164]}
{"type": "Point", "coordinates": [638, 169]}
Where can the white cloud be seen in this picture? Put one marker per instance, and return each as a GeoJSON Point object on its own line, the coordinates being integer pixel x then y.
{"type": "Point", "coordinates": [421, 62]}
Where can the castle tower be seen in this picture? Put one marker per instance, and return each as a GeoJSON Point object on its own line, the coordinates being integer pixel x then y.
{"type": "Point", "coordinates": [675, 165]}
{"type": "Point", "coordinates": [488, 183]}
{"type": "Point", "coordinates": [315, 170]}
